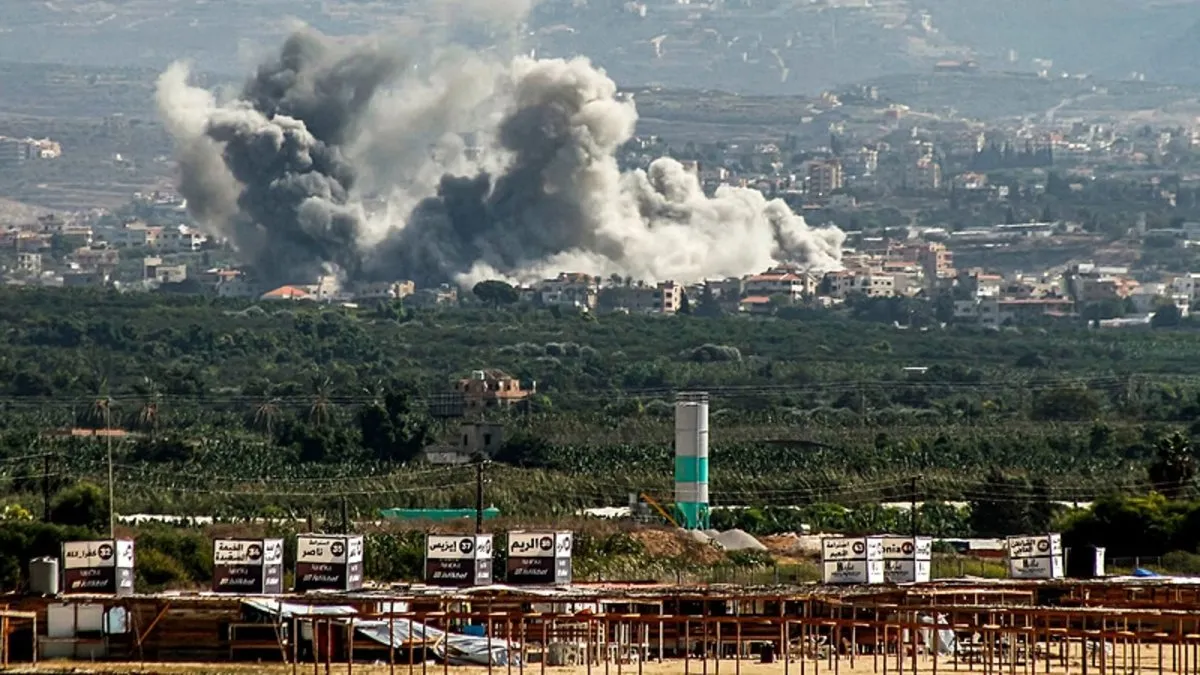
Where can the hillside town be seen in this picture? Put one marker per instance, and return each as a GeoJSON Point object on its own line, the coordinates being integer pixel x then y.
{"type": "Point", "coordinates": [138, 257]}
{"type": "Point", "coordinates": [1020, 219]}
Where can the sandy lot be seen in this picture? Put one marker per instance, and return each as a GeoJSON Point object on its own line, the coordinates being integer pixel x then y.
{"type": "Point", "coordinates": [1121, 660]}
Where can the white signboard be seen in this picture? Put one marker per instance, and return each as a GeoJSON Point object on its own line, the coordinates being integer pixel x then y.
{"type": "Point", "coordinates": [331, 549]}
{"type": "Point", "coordinates": [1040, 546]}
{"type": "Point", "coordinates": [1048, 567]}
{"type": "Point", "coordinates": [1099, 563]}
{"type": "Point", "coordinates": [93, 554]}
{"type": "Point", "coordinates": [853, 572]}
{"type": "Point", "coordinates": [907, 548]}
{"type": "Point", "coordinates": [247, 551]}
{"type": "Point", "coordinates": [537, 544]}
{"type": "Point", "coordinates": [906, 571]}
{"type": "Point", "coordinates": [834, 549]}
{"type": "Point", "coordinates": [563, 543]}
{"type": "Point", "coordinates": [456, 547]}
{"type": "Point", "coordinates": [124, 553]}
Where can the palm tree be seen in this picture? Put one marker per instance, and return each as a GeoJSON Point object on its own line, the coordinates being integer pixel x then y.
{"type": "Point", "coordinates": [146, 417]}
{"type": "Point", "coordinates": [376, 392]}
{"type": "Point", "coordinates": [1174, 466]}
{"type": "Point", "coordinates": [99, 412]}
{"type": "Point", "coordinates": [319, 411]}
{"type": "Point", "coordinates": [266, 414]}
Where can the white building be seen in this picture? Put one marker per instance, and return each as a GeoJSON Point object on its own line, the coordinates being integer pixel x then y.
{"type": "Point", "coordinates": [29, 263]}
{"type": "Point", "coordinates": [570, 290]}
{"type": "Point", "coordinates": [870, 283]}
{"type": "Point", "coordinates": [384, 290]}
{"type": "Point", "coordinates": [773, 282]}
{"type": "Point", "coordinates": [180, 239]}
{"type": "Point", "coordinates": [1187, 286]}
{"type": "Point", "coordinates": [993, 311]}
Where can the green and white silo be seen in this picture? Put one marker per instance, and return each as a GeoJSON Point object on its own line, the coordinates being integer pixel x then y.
{"type": "Point", "coordinates": [691, 460]}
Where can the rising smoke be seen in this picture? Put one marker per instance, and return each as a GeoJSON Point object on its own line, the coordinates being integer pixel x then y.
{"type": "Point", "coordinates": [353, 156]}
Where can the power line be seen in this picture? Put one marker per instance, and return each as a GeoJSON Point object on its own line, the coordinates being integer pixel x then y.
{"type": "Point", "coordinates": [1036, 384]}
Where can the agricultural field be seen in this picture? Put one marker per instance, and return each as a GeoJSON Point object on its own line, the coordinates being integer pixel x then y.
{"type": "Point", "coordinates": [299, 413]}
{"type": "Point", "coordinates": [226, 401]}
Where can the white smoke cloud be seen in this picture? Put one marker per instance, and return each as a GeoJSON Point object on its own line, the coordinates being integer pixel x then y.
{"type": "Point", "coordinates": [447, 164]}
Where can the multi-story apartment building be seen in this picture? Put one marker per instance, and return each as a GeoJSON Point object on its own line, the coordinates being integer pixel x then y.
{"type": "Point", "coordinates": [925, 174]}
{"type": "Point", "coordinates": [870, 283]}
{"type": "Point", "coordinates": [665, 297]}
{"type": "Point", "coordinates": [993, 311]}
{"type": "Point", "coordinates": [781, 282]}
{"type": "Point", "coordinates": [180, 238]}
{"type": "Point", "coordinates": [570, 289]}
{"type": "Point", "coordinates": [824, 176]}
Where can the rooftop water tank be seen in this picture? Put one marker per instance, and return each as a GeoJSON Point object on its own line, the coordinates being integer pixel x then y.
{"type": "Point", "coordinates": [43, 576]}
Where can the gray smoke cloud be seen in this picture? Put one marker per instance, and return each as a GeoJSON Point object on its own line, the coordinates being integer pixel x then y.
{"type": "Point", "coordinates": [354, 156]}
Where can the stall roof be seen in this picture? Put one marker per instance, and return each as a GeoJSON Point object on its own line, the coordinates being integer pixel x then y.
{"type": "Point", "coordinates": [288, 610]}
{"type": "Point", "coordinates": [618, 592]}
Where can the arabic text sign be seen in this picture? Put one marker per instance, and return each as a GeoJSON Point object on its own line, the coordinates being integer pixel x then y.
{"type": "Point", "coordinates": [458, 572]}
{"type": "Point", "coordinates": [538, 570]}
{"type": "Point", "coordinates": [852, 572]}
{"type": "Point", "coordinates": [1048, 567]}
{"type": "Point", "coordinates": [98, 580]}
{"type": "Point", "coordinates": [328, 576]}
{"type": "Point", "coordinates": [1035, 547]}
{"type": "Point", "coordinates": [248, 579]}
{"type": "Point", "coordinates": [93, 554]}
{"type": "Point", "coordinates": [851, 548]}
{"type": "Point", "coordinates": [539, 544]}
{"type": "Point", "coordinates": [907, 548]}
{"type": "Point", "coordinates": [247, 551]}
{"type": "Point", "coordinates": [906, 571]}
{"type": "Point", "coordinates": [331, 549]}
{"type": "Point", "coordinates": [458, 547]}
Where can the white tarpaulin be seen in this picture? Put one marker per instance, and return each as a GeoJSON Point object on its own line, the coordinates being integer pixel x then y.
{"type": "Point", "coordinates": [287, 610]}
{"type": "Point", "coordinates": [460, 650]}
{"type": "Point", "coordinates": [945, 637]}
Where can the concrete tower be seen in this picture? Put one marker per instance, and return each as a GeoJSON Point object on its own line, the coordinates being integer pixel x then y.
{"type": "Point", "coordinates": [691, 460]}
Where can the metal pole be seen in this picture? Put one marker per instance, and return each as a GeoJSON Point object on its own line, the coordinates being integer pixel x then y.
{"type": "Point", "coordinates": [912, 510]}
{"type": "Point", "coordinates": [112, 514]}
{"type": "Point", "coordinates": [479, 496]}
{"type": "Point", "coordinates": [46, 487]}
{"type": "Point", "coordinates": [545, 641]}
{"type": "Point", "coordinates": [687, 647]}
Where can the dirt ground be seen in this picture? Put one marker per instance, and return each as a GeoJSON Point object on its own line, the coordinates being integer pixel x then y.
{"type": "Point", "coordinates": [1120, 661]}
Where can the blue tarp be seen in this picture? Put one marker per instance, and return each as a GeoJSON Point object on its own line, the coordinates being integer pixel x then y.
{"type": "Point", "coordinates": [1143, 572]}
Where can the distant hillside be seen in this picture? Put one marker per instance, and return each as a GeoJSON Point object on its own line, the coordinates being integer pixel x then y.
{"type": "Point", "coordinates": [745, 46]}
{"type": "Point", "coordinates": [1179, 61]}
{"type": "Point", "coordinates": [17, 213]}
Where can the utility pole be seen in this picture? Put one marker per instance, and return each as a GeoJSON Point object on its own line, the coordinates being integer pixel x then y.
{"type": "Point", "coordinates": [345, 516]}
{"type": "Point", "coordinates": [112, 514]}
{"type": "Point", "coordinates": [912, 505]}
{"type": "Point", "coordinates": [46, 487]}
{"type": "Point", "coordinates": [479, 495]}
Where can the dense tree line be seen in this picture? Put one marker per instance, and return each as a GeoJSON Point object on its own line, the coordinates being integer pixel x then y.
{"type": "Point", "coordinates": [223, 400]}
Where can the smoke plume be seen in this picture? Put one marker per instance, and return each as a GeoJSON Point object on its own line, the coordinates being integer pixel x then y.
{"type": "Point", "coordinates": [446, 165]}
